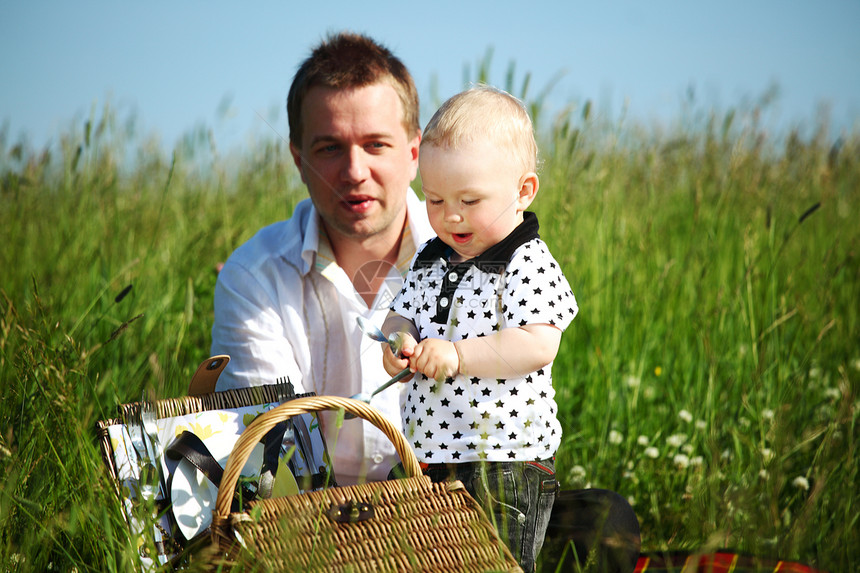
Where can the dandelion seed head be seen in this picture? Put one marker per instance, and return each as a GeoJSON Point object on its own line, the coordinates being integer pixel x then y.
{"type": "Point", "coordinates": [686, 416]}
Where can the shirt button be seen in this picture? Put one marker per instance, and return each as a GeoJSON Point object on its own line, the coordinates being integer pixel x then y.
{"type": "Point", "coordinates": [452, 277]}
{"type": "Point", "coordinates": [443, 302]}
{"type": "Point", "coordinates": [377, 458]}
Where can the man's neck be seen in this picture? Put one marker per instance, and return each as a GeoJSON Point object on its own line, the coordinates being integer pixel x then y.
{"type": "Point", "coordinates": [367, 262]}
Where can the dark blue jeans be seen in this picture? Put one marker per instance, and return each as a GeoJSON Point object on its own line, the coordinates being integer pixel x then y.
{"type": "Point", "coordinates": [516, 496]}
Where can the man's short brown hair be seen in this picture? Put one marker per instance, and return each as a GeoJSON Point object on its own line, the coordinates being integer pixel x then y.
{"type": "Point", "coordinates": [347, 61]}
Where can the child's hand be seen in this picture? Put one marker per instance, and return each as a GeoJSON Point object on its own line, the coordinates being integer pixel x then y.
{"type": "Point", "coordinates": [436, 358]}
{"type": "Point", "coordinates": [392, 363]}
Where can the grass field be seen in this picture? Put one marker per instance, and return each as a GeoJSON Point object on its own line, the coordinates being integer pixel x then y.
{"type": "Point", "coordinates": [711, 377]}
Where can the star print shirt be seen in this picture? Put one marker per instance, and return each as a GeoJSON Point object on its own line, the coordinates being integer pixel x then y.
{"type": "Point", "coordinates": [514, 283]}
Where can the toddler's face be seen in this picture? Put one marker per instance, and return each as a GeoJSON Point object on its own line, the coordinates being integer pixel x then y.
{"type": "Point", "coordinates": [474, 197]}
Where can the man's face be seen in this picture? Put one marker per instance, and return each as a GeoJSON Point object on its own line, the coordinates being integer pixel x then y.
{"type": "Point", "coordinates": [356, 159]}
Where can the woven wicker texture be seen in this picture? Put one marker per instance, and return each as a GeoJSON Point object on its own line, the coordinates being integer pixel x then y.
{"type": "Point", "coordinates": [415, 525]}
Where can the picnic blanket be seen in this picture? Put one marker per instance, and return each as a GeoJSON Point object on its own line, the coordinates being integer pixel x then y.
{"type": "Point", "coordinates": [717, 562]}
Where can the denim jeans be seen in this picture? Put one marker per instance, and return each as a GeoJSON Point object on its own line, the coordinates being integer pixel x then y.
{"type": "Point", "coordinates": [516, 496]}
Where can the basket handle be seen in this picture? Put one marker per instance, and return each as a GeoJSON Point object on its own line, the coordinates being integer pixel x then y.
{"type": "Point", "coordinates": [259, 427]}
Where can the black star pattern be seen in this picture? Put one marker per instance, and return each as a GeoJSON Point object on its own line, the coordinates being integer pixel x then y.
{"type": "Point", "coordinates": [521, 292]}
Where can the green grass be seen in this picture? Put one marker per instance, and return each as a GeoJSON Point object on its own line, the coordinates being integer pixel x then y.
{"type": "Point", "coordinates": [711, 377]}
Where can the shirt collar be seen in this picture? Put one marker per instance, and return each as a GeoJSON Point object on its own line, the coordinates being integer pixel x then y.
{"type": "Point", "coordinates": [494, 259]}
{"type": "Point", "coordinates": [318, 254]}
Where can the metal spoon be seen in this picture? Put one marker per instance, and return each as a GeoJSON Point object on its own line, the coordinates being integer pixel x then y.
{"type": "Point", "coordinates": [393, 341]}
{"type": "Point", "coordinates": [373, 331]}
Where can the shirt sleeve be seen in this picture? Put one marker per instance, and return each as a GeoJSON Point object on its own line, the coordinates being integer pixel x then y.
{"type": "Point", "coordinates": [248, 328]}
{"type": "Point", "coordinates": [536, 291]}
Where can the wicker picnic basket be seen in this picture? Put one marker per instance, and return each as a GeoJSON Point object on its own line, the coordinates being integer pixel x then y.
{"type": "Point", "coordinates": [408, 524]}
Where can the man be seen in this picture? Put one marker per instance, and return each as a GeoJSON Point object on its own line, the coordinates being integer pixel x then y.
{"type": "Point", "coordinates": [286, 302]}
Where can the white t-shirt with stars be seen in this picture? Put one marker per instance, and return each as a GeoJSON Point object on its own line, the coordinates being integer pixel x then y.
{"type": "Point", "coordinates": [514, 283]}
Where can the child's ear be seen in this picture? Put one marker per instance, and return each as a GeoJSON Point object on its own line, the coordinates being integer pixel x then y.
{"type": "Point", "coordinates": [529, 184]}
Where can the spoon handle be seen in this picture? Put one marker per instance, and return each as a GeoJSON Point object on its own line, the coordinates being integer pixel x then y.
{"type": "Point", "coordinates": [397, 378]}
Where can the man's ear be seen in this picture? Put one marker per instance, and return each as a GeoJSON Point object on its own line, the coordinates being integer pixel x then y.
{"type": "Point", "coordinates": [414, 146]}
{"type": "Point", "coordinates": [529, 184]}
{"type": "Point", "coordinates": [297, 159]}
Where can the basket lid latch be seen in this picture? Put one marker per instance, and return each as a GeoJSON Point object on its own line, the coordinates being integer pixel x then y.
{"type": "Point", "coordinates": [350, 512]}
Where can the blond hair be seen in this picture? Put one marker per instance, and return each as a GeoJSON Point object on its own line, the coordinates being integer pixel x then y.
{"type": "Point", "coordinates": [485, 112]}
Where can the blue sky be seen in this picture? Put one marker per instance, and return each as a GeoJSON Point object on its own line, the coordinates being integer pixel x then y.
{"type": "Point", "coordinates": [177, 65]}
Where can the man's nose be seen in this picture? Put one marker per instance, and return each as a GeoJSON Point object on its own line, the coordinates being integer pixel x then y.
{"type": "Point", "coordinates": [355, 167]}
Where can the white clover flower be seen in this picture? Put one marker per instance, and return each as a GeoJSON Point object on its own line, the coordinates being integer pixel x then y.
{"type": "Point", "coordinates": [648, 393]}
{"type": "Point", "coordinates": [652, 452]}
{"type": "Point", "coordinates": [763, 474]}
{"type": "Point", "coordinates": [833, 393]}
{"type": "Point", "coordinates": [726, 455]}
{"type": "Point", "coordinates": [767, 414]}
{"type": "Point", "coordinates": [766, 454]}
{"type": "Point", "coordinates": [744, 422]}
{"type": "Point", "coordinates": [686, 416]}
{"type": "Point", "coordinates": [676, 440]}
{"type": "Point", "coordinates": [697, 461]}
{"type": "Point", "coordinates": [632, 382]}
{"type": "Point", "coordinates": [615, 437]}
{"type": "Point", "coordinates": [631, 500]}
{"type": "Point", "coordinates": [800, 482]}
{"type": "Point", "coordinates": [681, 461]}
{"type": "Point", "coordinates": [643, 440]}
{"type": "Point", "coordinates": [687, 448]}
{"type": "Point", "coordinates": [815, 372]}
{"type": "Point", "coordinates": [576, 472]}
{"type": "Point", "coordinates": [701, 425]}
{"type": "Point", "coordinates": [855, 364]}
